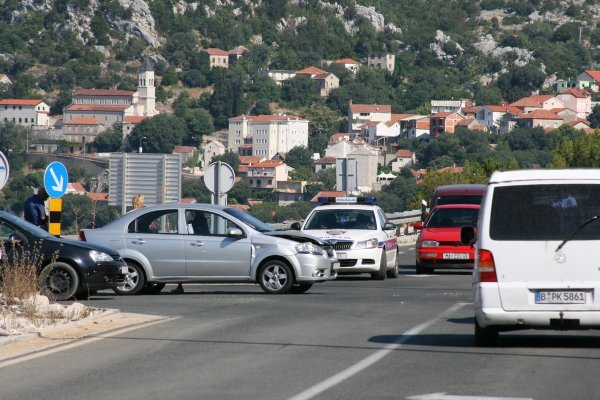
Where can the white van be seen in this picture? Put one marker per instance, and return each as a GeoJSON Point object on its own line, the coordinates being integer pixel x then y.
{"type": "Point", "coordinates": [537, 263]}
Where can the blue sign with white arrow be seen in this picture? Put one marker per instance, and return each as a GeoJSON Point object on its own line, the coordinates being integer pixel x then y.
{"type": "Point", "coordinates": [56, 179]}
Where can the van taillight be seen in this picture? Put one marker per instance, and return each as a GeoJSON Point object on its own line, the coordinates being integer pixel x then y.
{"type": "Point", "coordinates": [487, 268]}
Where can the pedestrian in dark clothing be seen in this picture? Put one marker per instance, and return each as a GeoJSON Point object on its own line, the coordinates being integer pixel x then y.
{"type": "Point", "coordinates": [35, 210]}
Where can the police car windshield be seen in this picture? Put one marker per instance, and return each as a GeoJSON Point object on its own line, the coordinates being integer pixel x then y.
{"type": "Point", "coordinates": [341, 219]}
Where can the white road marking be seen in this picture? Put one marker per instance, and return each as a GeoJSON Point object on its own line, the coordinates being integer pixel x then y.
{"type": "Point", "coordinates": [78, 342]}
{"type": "Point", "coordinates": [444, 396]}
{"type": "Point", "coordinates": [373, 358]}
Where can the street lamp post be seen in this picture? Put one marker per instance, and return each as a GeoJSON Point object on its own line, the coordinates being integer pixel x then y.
{"type": "Point", "coordinates": [140, 148]}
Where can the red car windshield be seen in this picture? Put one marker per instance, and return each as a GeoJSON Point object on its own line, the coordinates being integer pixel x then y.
{"type": "Point", "coordinates": [453, 218]}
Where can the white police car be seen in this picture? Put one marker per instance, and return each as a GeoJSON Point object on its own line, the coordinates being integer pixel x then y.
{"type": "Point", "coordinates": [364, 240]}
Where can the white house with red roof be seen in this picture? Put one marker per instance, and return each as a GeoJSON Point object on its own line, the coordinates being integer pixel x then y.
{"type": "Point", "coordinates": [268, 134]}
{"type": "Point", "coordinates": [186, 153]}
{"type": "Point", "coordinates": [547, 119]}
{"type": "Point", "coordinates": [349, 64]}
{"type": "Point", "coordinates": [25, 112]}
{"type": "Point", "coordinates": [589, 80]}
{"type": "Point", "coordinates": [404, 158]}
{"type": "Point", "coordinates": [537, 102]}
{"type": "Point", "coordinates": [324, 81]}
{"type": "Point", "coordinates": [217, 58]}
{"type": "Point", "coordinates": [360, 114]}
{"type": "Point", "coordinates": [324, 163]}
{"type": "Point", "coordinates": [494, 116]}
{"type": "Point", "coordinates": [81, 131]}
{"type": "Point", "coordinates": [577, 100]}
{"type": "Point", "coordinates": [265, 174]}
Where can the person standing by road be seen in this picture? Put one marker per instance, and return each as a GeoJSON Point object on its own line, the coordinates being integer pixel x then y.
{"type": "Point", "coordinates": [35, 209]}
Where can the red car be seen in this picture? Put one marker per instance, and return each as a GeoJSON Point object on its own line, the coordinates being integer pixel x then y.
{"type": "Point", "coordinates": [438, 245]}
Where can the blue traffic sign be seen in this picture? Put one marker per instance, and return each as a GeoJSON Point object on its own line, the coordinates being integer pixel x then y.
{"type": "Point", "coordinates": [56, 179]}
{"type": "Point", "coordinates": [3, 170]}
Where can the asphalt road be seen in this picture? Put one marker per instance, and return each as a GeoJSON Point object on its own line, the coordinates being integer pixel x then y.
{"type": "Point", "coordinates": [353, 338]}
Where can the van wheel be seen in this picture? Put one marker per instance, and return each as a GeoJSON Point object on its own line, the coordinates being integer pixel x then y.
{"type": "Point", "coordinates": [485, 336]}
{"type": "Point", "coordinates": [380, 275]}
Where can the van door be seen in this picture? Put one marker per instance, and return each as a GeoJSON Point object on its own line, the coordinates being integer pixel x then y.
{"type": "Point", "coordinates": [545, 241]}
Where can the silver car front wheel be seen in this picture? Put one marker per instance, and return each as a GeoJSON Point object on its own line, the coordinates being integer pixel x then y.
{"type": "Point", "coordinates": [134, 280]}
{"type": "Point", "coordinates": [275, 277]}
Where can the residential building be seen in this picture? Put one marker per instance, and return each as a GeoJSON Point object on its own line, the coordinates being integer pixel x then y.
{"type": "Point", "coordinates": [236, 53]}
{"type": "Point", "coordinates": [379, 133]}
{"type": "Point", "coordinates": [278, 75]}
{"type": "Point", "coordinates": [545, 118]}
{"type": "Point", "coordinates": [349, 64]}
{"type": "Point", "coordinates": [129, 123]}
{"type": "Point", "coordinates": [289, 192]}
{"type": "Point", "coordinates": [217, 58]}
{"type": "Point", "coordinates": [360, 114]}
{"type": "Point", "coordinates": [211, 149]}
{"type": "Point", "coordinates": [537, 102]}
{"type": "Point", "coordinates": [266, 174]}
{"type": "Point", "coordinates": [80, 133]}
{"type": "Point", "coordinates": [343, 148]}
{"type": "Point", "coordinates": [417, 127]}
{"type": "Point", "coordinates": [404, 158]}
{"type": "Point", "coordinates": [471, 124]}
{"type": "Point", "coordinates": [5, 80]}
{"type": "Point", "coordinates": [443, 122]}
{"type": "Point", "coordinates": [324, 163]}
{"type": "Point", "coordinates": [494, 116]}
{"type": "Point", "coordinates": [325, 81]}
{"type": "Point", "coordinates": [450, 106]}
{"type": "Point", "coordinates": [75, 188]}
{"type": "Point", "coordinates": [577, 100]}
{"type": "Point", "coordinates": [186, 153]}
{"type": "Point", "coordinates": [589, 80]}
{"type": "Point", "coordinates": [385, 61]}
{"type": "Point", "coordinates": [25, 112]}
{"type": "Point", "coordinates": [268, 134]}
{"type": "Point", "coordinates": [366, 168]}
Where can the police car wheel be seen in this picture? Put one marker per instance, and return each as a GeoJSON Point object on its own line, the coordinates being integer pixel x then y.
{"type": "Point", "coordinates": [380, 275]}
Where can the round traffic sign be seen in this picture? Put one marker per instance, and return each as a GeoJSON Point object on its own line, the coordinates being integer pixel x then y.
{"type": "Point", "coordinates": [4, 170]}
{"type": "Point", "coordinates": [56, 179]}
{"type": "Point", "coordinates": [226, 177]}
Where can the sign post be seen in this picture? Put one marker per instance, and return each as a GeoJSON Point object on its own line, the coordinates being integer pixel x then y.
{"type": "Point", "coordinates": [56, 179]}
{"type": "Point", "coordinates": [4, 170]}
{"type": "Point", "coordinates": [219, 178]}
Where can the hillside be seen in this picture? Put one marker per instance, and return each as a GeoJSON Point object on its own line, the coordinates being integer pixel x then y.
{"type": "Point", "coordinates": [488, 50]}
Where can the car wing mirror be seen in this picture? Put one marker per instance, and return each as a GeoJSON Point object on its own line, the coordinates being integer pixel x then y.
{"type": "Point", "coordinates": [418, 225]}
{"type": "Point", "coordinates": [467, 235]}
{"type": "Point", "coordinates": [388, 226]}
{"type": "Point", "coordinates": [296, 226]}
{"type": "Point", "coordinates": [235, 232]}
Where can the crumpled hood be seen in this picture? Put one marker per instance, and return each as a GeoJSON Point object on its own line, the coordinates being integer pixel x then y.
{"type": "Point", "coordinates": [296, 236]}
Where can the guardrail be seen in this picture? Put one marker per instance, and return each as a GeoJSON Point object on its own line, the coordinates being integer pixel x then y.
{"type": "Point", "coordinates": [403, 220]}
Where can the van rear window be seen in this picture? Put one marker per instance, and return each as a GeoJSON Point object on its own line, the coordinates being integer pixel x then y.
{"type": "Point", "coordinates": [545, 212]}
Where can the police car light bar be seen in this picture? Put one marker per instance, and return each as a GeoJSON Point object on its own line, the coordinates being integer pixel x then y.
{"type": "Point", "coordinates": [348, 200]}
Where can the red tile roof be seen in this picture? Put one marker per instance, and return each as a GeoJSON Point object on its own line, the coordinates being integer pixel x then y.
{"type": "Point", "coordinates": [187, 200]}
{"type": "Point", "coordinates": [97, 196]}
{"type": "Point", "coordinates": [216, 52]}
{"type": "Point", "coordinates": [540, 114]}
{"type": "Point", "coordinates": [311, 71]}
{"type": "Point", "coordinates": [92, 107]}
{"type": "Point", "coordinates": [504, 109]}
{"type": "Point", "coordinates": [346, 61]}
{"type": "Point", "coordinates": [576, 92]}
{"type": "Point", "coordinates": [83, 121]}
{"type": "Point", "coordinates": [326, 160]}
{"type": "Point", "coordinates": [133, 120]}
{"type": "Point", "coordinates": [358, 108]}
{"type": "Point", "coordinates": [239, 50]}
{"type": "Point", "coordinates": [399, 117]}
{"type": "Point", "coordinates": [103, 92]}
{"type": "Point", "coordinates": [183, 149]}
{"type": "Point", "coordinates": [594, 74]}
{"type": "Point", "coordinates": [338, 137]}
{"type": "Point", "coordinates": [404, 153]}
{"type": "Point", "coordinates": [20, 102]}
{"type": "Point", "coordinates": [250, 159]}
{"type": "Point", "coordinates": [266, 164]}
{"type": "Point", "coordinates": [531, 101]}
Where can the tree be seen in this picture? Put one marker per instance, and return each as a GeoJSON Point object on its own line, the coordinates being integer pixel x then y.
{"type": "Point", "coordinates": [162, 133]}
{"type": "Point", "coordinates": [199, 123]}
{"type": "Point", "coordinates": [229, 157]}
{"type": "Point", "coordinates": [582, 152]}
{"type": "Point", "coordinates": [323, 122]}
{"type": "Point", "coordinates": [299, 91]}
{"type": "Point", "coordinates": [594, 117]}
{"type": "Point", "coordinates": [109, 140]}
{"type": "Point", "coordinates": [299, 157]}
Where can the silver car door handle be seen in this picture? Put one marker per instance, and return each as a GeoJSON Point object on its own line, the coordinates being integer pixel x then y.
{"type": "Point", "coordinates": [138, 241]}
{"type": "Point", "coordinates": [197, 243]}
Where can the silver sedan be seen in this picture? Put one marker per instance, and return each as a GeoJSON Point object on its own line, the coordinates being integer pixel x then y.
{"type": "Point", "coordinates": [200, 243]}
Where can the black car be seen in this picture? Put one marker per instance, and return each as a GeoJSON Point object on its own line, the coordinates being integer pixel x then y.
{"type": "Point", "coordinates": [67, 268]}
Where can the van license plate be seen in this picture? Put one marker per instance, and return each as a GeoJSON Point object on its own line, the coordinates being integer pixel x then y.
{"type": "Point", "coordinates": [560, 297]}
{"type": "Point", "coordinates": [456, 256]}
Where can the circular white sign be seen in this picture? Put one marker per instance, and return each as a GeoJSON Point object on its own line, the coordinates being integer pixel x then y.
{"type": "Point", "coordinates": [4, 170]}
{"type": "Point", "coordinates": [226, 177]}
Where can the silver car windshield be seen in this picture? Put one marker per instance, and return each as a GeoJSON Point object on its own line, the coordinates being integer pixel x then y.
{"type": "Point", "coordinates": [249, 220]}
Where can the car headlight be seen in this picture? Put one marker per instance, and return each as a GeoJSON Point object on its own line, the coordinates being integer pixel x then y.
{"type": "Point", "coordinates": [309, 248]}
{"type": "Point", "coordinates": [367, 244]}
{"type": "Point", "coordinates": [430, 243]}
{"type": "Point", "coordinates": [99, 256]}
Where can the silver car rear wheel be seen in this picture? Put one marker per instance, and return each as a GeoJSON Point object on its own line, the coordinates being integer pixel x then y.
{"type": "Point", "coordinates": [275, 277]}
{"type": "Point", "coordinates": [134, 280]}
